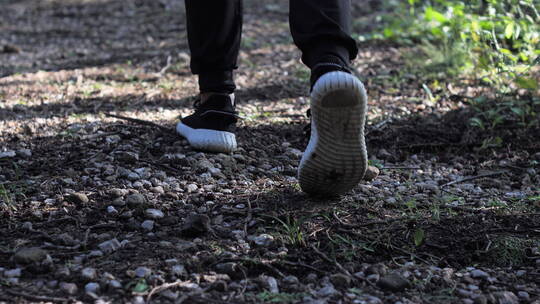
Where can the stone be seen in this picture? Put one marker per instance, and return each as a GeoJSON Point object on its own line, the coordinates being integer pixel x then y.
{"type": "Point", "coordinates": [25, 153]}
{"type": "Point", "coordinates": [340, 280]}
{"type": "Point", "coordinates": [269, 283]}
{"type": "Point", "coordinates": [262, 240]}
{"type": "Point", "coordinates": [142, 272]}
{"type": "Point", "coordinates": [523, 295]}
{"type": "Point", "coordinates": [29, 255]}
{"type": "Point", "coordinates": [178, 270]}
{"type": "Point", "coordinates": [371, 173]}
{"type": "Point", "coordinates": [110, 246]}
{"type": "Point", "coordinates": [154, 214]}
{"type": "Point", "coordinates": [479, 274]}
{"type": "Point", "coordinates": [196, 225]}
{"type": "Point", "coordinates": [115, 284]}
{"type": "Point", "coordinates": [327, 291]}
{"type": "Point", "coordinates": [148, 225]}
{"type": "Point", "coordinates": [69, 288]}
{"type": "Point", "coordinates": [91, 287]}
{"type": "Point", "coordinates": [505, 297]}
{"type": "Point", "coordinates": [89, 273]}
{"type": "Point", "coordinates": [7, 154]}
{"type": "Point", "coordinates": [13, 273]}
{"type": "Point", "coordinates": [291, 280]}
{"type": "Point", "coordinates": [116, 192]}
{"type": "Point", "coordinates": [191, 188]}
{"type": "Point", "coordinates": [78, 198]}
{"type": "Point", "coordinates": [130, 157]}
{"type": "Point", "coordinates": [231, 269]}
{"type": "Point", "coordinates": [135, 200]}
{"type": "Point", "coordinates": [111, 210]}
{"type": "Point", "coordinates": [393, 282]}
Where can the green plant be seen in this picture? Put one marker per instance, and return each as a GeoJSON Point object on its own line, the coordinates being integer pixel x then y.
{"type": "Point", "coordinates": [497, 42]}
{"type": "Point", "coordinates": [291, 231]}
{"type": "Point", "coordinates": [282, 297]}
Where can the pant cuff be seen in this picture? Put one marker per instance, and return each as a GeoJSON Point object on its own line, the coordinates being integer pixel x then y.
{"type": "Point", "coordinates": [217, 82]}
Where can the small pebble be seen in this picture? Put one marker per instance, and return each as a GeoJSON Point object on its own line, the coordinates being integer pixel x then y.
{"type": "Point", "coordinates": [91, 287]}
{"type": "Point", "coordinates": [88, 273]}
{"type": "Point", "coordinates": [142, 272]}
{"type": "Point", "coordinates": [13, 273]}
{"type": "Point", "coordinates": [154, 214]}
{"type": "Point", "coordinates": [148, 225]}
{"type": "Point", "coordinates": [68, 288]}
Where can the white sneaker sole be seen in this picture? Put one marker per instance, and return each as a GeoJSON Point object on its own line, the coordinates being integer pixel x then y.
{"type": "Point", "coordinates": [335, 159]}
{"type": "Point", "coordinates": [208, 140]}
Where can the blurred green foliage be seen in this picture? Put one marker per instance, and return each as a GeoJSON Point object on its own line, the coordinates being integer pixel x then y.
{"type": "Point", "coordinates": [496, 42]}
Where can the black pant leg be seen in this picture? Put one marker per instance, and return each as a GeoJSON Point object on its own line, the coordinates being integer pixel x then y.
{"type": "Point", "coordinates": [322, 29]}
{"type": "Point", "coordinates": [214, 31]}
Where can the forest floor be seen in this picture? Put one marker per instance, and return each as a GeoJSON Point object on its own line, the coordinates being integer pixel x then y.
{"type": "Point", "coordinates": [99, 208]}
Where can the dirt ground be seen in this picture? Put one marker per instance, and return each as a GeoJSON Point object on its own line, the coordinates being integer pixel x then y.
{"type": "Point", "coordinates": [101, 209]}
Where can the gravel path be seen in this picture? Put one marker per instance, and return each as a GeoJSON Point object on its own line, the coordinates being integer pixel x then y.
{"type": "Point", "coordinates": [97, 208]}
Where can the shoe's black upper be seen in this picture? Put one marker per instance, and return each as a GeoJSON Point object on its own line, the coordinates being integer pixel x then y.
{"type": "Point", "coordinates": [215, 113]}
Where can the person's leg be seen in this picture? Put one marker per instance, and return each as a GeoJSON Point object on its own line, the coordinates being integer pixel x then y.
{"type": "Point", "coordinates": [335, 159]}
{"type": "Point", "coordinates": [322, 31]}
{"type": "Point", "coordinates": [214, 32]}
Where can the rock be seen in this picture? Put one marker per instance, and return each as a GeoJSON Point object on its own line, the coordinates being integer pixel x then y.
{"type": "Point", "coordinates": [25, 153]}
{"type": "Point", "coordinates": [30, 255]}
{"type": "Point", "coordinates": [523, 295]}
{"type": "Point", "coordinates": [116, 192]}
{"type": "Point", "coordinates": [148, 225]}
{"type": "Point", "coordinates": [178, 270]}
{"type": "Point", "coordinates": [262, 240]}
{"type": "Point", "coordinates": [129, 157]}
{"type": "Point", "coordinates": [480, 299]}
{"type": "Point", "coordinates": [111, 210]}
{"type": "Point", "coordinates": [195, 225]}
{"type": "Point", "coordinates": [191, 188]}
{"type": "Point", "coordinates": [115, 284]}
{"type": "Point", "coordinates": [69, 288]}
{"type": "Point", "coordinates": [13, 273]}
{"type": "Point", "coordinates": [91, 287]}
{"type": "Point", "coordinates": [63, 272]}
{"type": "Point", "coordinates": [327, 291]}
{"type": "Point", "coordinates": [340, 280]}
{"type": "Point", "coordinates": [371, 173]}
{"type": "Point", "coordinates": [479, 274]}
{"type": "Point", "coordinates": [393, 282]}
{"type": "Point", "coordinates": [135, 200]}
{"type": "Point", "coordinates": [231, 269]}
{"type": "Point", "coordinates": [7, 154]}
{"type": "Point", "coordinates": [110, 246]}
{"type": "Point", "coordinates": [171, 262]}
{"type": "Point", "coordinates": [154, 214]}
{"type": "Point", "coordinates": [89, 273]}
{"type": "Point", "coordinates": [291, 280]}
{"type": "Point", "coordinates": [119, 202]}
{"type": "Point", "coordinates": [269, 283]}
{"type": "Point", "coordinates": [142, 272]}
{"type": "Point", "coordinates": [78, 198]}
{"type": "Point", "coordinates": [505, 297]}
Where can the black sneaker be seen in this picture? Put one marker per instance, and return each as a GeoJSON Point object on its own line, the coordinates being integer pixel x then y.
{"type": "Point", "coordinates": [211, 127]}
{"type": "Point", "coordinates": [335, 159]}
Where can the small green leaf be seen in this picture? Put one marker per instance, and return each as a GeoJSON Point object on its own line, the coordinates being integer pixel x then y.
{"type": "Point", "coordinates": [418, 237]}
{"type": "Point", "coordinates": [527, 83]}
{"type": "Point", "coordinates": [141, 286]}
{"type": "Point", "coordinates": [432, 14]}
{"type": "Point", "coordinates": [477, 122]}
{"type": "Point", "coordinates": [509, 30]}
